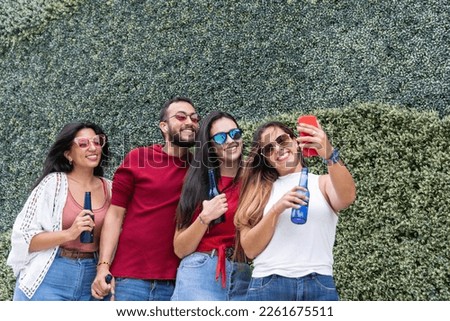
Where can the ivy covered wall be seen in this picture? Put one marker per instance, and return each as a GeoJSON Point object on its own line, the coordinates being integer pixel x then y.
{"type": "Point", "coordinates": [376, 72]}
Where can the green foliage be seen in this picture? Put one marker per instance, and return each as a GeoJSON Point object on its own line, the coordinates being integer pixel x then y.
{"type": "Point", "coordinates": [20, 20]}
{"type": "Point", "coordinates": [392, 243]}
{"type": "Point", "coordinates": [7, 281]}
{"type": "Point", "coordinates": [115, 62]}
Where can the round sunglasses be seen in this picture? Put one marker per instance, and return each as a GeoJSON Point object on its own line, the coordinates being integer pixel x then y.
{"type": "Point", "coordinates": [83, 142]}
{"type": "Point", "coordinates": [221, 138]}
{"type": "Point", "coordinates": [283, 141]}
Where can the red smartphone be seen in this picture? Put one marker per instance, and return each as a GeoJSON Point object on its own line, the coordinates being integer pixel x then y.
{"type": "Point", "coordinates": [310, 120]}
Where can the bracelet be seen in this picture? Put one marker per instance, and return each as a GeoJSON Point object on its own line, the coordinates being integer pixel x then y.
{"type": "Point", "coordinates": [201, 221]}
{"type": "Point", "coordinates": [334, 158]}
{"type": "Point", "coordinates": [104, 262]}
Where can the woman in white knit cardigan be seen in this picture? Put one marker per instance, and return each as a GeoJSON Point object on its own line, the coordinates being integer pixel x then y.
{"type": "Point", "coordinates": [47, 257]}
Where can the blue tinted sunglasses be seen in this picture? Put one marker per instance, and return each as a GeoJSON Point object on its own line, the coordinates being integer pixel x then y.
{"type": "Point", "coordinates": [221, 138]}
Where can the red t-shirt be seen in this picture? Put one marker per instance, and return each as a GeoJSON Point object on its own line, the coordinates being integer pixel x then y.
{"type": "Point", "coordinates": [148, 184]}
{"type": "Point", "coordinates": [222, 234]}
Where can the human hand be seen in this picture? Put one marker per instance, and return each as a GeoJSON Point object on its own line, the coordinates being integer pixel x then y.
{"type": "Point", "coordinates": [83, 222]}
{"type": "Point", "coordinates": [292, 199]}
{"type": "Point", "coordinates": [214, 208]}
{"type": "Point", "coordinates": [103, 284]}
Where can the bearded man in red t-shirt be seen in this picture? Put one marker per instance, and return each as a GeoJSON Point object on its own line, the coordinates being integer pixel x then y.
{"type": "Point", "coordinates": [136, 246]}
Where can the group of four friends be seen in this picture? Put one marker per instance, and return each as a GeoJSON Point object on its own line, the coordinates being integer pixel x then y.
{"type": "Point", "coordinates": [159, 233]}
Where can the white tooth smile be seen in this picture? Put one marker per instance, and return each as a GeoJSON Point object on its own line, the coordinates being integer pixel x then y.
{"type": "Point", "coordinates": [283, 156]}
{"type": "Point", "coordinates": [232, 149]}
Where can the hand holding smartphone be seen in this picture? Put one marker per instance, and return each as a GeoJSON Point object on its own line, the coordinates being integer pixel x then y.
{"type": "Point", "coordinates": [310, 120]}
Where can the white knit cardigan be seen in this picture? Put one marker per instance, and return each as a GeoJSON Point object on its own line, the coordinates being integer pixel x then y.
{"type": "Point", "coordinates": [41, 212]}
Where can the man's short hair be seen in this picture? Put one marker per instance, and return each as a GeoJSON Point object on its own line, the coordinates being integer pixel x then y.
{"type": "Point", "coordinates": [162, 114]}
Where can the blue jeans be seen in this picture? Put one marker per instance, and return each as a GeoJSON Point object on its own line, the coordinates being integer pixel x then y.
{"type": "Point", "coordinates": [196, 280]}
{"type": "Point", "coordinates": [128, 289]}
{"type": "Point", "coordinates": [66, 280]}
{"type": "Point", "coordinates": [312, 287]}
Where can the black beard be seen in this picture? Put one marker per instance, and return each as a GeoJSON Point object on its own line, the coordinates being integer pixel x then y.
{"type": "Point", "coordinates": [176, 140]}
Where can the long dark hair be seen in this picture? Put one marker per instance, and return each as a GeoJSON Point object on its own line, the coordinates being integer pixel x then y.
{"type": "Point", "coordinates": [196, 183]}
{"type": "Point", "coordinates": [57, 162]}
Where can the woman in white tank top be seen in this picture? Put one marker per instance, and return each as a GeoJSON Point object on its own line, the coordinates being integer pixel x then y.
{"type": "Point", "coordinates": [292, 262]}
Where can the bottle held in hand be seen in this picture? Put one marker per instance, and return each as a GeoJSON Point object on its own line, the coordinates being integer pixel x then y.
{"type": "Point", "coordinates": [108, 278]}
{"type": "Point", "coordinates": [213, 192]}
{"type": "Point", "coordinates": [300, 215]}
{"type": "Point", "coordinates": [87, 236]}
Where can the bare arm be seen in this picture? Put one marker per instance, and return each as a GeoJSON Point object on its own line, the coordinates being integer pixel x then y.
{"type": "Point", "coordinates": [108, 243]}
{"type": "Point", "coordinates": [110, 232]}
{"type": "Point", "coordinates": [254, 240]}
{"type": "Point", "coordinates": [338, 186]}
{"type": "Point", "coordinates": [186, 240]}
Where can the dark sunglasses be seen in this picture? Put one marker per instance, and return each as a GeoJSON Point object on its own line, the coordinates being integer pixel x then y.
{"type": "Point", "coordinates": [83, 142]}
{"type": "Point", "coordinates": [221, 138]}
{"type": "Point", "coordinates": [182, 116]}
{"type": "Point", "coordinates": [283, 141]}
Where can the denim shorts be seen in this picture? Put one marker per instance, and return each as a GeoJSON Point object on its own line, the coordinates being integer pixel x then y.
{"type": "Point", "coordinates": [312, 287]}
{"type": "Point", "coordinates": [66, 280]}
{"type": "Point", "coordinates": [128, 289]}
{"type": "Point", "coordinates": [196, 279]}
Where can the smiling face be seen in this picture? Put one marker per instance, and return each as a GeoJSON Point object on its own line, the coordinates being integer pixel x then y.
{"type": "Point", "coordinates": [182, 125]}
{"type": "Point", "coordinates": [82, 155]}
{"type": "Point", "coordinates": [280, 150]}
{"type": "Point", "coordinates": [229, 153]}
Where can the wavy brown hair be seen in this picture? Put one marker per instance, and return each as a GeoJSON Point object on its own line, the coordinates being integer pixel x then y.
{"type": "Point", "coordinates": [258, 177]}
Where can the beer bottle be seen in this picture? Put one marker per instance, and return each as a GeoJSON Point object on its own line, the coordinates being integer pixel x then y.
{"type": "Point", "coordinates": [300, 215]}
{"type": "Point", "coordinates": [87, 236]}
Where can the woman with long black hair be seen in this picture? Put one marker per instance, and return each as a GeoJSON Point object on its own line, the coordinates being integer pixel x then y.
{"type": "Point", "coordinates": [205, 235]}
{"type": "Point", "coordinates": [47, 256]}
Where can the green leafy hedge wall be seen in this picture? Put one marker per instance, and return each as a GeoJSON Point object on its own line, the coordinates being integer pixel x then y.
{"type": "Point", "coordinates": [377, 74]}
{"type": "Point", "coordinates": [7, 280]}
{"type": "Point", "coordinates": [392, 243]}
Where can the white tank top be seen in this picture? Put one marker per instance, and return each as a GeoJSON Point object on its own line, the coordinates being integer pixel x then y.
{"type": "Point", "coordinates": [298, 250]}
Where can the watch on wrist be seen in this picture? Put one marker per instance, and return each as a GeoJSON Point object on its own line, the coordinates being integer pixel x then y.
{"type": "Point", "coordinates": [334, 158]}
